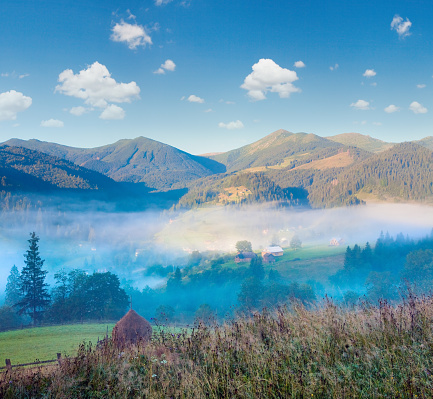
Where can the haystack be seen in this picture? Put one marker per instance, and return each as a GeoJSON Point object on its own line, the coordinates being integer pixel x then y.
{"type": "Point", "coordinates": [131, 329]}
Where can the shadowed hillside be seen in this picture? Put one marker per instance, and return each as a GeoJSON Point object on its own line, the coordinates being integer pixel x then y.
{"type": "Point", "coordinates": [140, 160]}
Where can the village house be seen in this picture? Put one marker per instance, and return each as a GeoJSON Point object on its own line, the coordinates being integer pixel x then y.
{"type": "Point", "coordinates": [275, 250]}
{"type": "Point", "coordinates": [245, 257]}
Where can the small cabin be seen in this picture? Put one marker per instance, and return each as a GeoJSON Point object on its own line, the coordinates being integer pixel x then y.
{"type": "Point", "coordinates": [275, 250]}
{"type": "Point", "coordinates": [268, 258]}
{"type": "Point", "coordinates": [245, 257]}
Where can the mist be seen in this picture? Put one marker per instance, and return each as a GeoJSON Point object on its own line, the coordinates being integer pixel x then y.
{"type": "Point", "coordinates": [128, 243]}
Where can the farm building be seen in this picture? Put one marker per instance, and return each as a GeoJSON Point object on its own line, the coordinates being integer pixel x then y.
{"type": "Point", "coordinates": [275, 250]}
{"type": "Point", "coordinates": [245, 257]}
{"type": "Point", "coordinates": [268, 258]}
{"type": "Point", "coordinates": [336, 242]}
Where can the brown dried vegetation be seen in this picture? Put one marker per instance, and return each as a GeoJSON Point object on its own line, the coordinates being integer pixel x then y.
{"type": "Point", "coordinates": [329, 352]}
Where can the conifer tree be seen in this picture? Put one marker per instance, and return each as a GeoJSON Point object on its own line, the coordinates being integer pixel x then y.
{"type": "Point", "coordinates": [13, 292]}
{"type": "Point", "coordinates": [32, 283]}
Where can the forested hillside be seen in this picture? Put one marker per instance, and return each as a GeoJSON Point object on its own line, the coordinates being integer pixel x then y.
{"type": "Point", "coordinates": [404, 172]}
{"type": "Point", "coordinates": [242, 188]}
{"type": "Point", "coordinates": [140, 160]}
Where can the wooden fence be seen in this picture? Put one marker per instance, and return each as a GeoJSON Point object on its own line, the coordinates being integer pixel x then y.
{"type": "Point", "coordinates": [9, 365]}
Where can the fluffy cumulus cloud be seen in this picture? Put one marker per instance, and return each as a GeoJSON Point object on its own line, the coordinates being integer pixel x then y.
{"type": "Point", "coordinates": [369, 73]}
{"type": "Point", "coordinates": [391, 109]}
{"type": "Point", "coordinates": [267, 76]}
{"type": "Point", "coordinates": [417, 108]}
{"type": "Point", "coordinates": [231, 125]}
{"type": "Point", "coordinates": [361, 105]}
{"type": "Point", "coordinates": [112, 112]}
{"type": "Point", "coordinates": [131, 34]}
{"type": "Point", "coordinates": [299, 64]}
{"type": "Point", "coordinates": [195, 99]}
{"type": "Point", "coordinates": [52, 123]}
{"type": "Point", "coordinates": [78, 111]}
{"type": "Point", "coordinates": [96, 87]}
{"type": "Point", "coordinates": [12, 102]}
{"type": "Point", "coordinates": [400, 26]}
{"type": "Point", "coordinates": [168, 65]}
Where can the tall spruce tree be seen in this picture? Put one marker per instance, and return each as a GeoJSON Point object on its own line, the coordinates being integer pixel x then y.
{"type": "Point", "coordinates": [32, 283]}
{"type": "Point", "coordinates": [13, 292]}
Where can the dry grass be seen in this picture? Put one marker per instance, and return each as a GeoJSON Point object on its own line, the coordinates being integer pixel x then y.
{"type": "Point", "coordinates": [331, 352]}
{"type": "Point", "coordinates": [340, 160]}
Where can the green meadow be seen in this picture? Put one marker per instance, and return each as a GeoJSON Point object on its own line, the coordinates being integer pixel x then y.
{"type": "Point", "coordinates": [43, 343]}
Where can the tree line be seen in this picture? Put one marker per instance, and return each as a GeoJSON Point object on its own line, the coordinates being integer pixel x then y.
{"type": "Point", "coordinates": [76, 296]}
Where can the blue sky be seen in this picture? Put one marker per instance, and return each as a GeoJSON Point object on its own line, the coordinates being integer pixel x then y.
{"type": "Point", "coordinates": [86, 73]}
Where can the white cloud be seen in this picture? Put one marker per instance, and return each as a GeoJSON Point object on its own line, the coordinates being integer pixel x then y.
{"type": "Point", "coordinates": [208, 110]}
{"type": "Point", "coordinates": [369, 73]}
{"type": "Point", "coordinates": [391, 108]}
{"type": "Point", "coordinates": [377, 123]}
{"type": "Point", "coordinates": [4, 75]}
{"type": "Point", "coordinates": [374, 84]}
{"type": "Point", "coordinates": [168, 65]}
{"type": "Point", "coordinates": [361, 105]}
{"type": "Point", "coordinates": [52, 123]}
{"type": "Point", "coordinates": [96, 86]}
{"type": "Point", "coordinates": [194, 99]}
{"type": "Point", "coordinates": [400, 26]}
{"type": "Point", "coordinates": [162, 2]}
{"type": "Point", "coordinates": [417, 108]}
{"type": "Point", "coordinates": [421, 86]}
{"type": "Point", "coordinates": [24, 75]}
{"type": "Point", "coordinates": [78, 111]}
{"type": "Point", "coordinates": [12, 102]}
{"type": "Point", "coordinates": [334, 67]}
{"type": "Point", "coordinates": [132, 34]}
{"type": "Point", "coordinates": [112, 112]}
{"type": "Point", "coordinates": [231, 125]}
{"type": "Point", "coordinates": [299, 64]}
{"type": "Point", "coordinates": [269, 76]}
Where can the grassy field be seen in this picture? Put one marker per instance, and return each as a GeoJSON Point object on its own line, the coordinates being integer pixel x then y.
{"type": "Point", "coordinates": [25, 346]}
{"type": "Point", "coordinates": [308, 263]}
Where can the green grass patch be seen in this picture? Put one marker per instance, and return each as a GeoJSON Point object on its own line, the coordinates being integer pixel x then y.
{"type": "Point", "coordinates": [42, 343]}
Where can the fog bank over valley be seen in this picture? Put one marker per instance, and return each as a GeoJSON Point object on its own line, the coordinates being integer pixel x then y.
{"type": "Point", "coordinates": [128, 243]}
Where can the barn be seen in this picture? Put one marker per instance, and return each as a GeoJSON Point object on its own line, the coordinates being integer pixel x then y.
{"type": "Point", "coordinates": [274, 250]}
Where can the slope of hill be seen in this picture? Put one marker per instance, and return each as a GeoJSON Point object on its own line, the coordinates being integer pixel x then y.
{"type": "Point", "coordinates": [28, 170]}
{"type": "Point", "coordinates": [141, 160]}
{"type": "Point", "coordinates": [362, 141]}
{"type": "Point", "coordinates": [274, 149]}
{"type": "Point", "coordinates": [240, 188]}
{"type": "Point", "coordinates": [426, 142]}
{"type": "Point", "coordinates": [402, 173]}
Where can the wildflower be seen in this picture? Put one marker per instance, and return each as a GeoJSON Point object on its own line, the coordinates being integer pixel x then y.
{"type": "Point", "coordinates": [154, 375]}
{"type": "Point", "coordinates": [163, 361]}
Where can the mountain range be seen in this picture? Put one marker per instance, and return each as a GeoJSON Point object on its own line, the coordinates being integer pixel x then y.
{"type": "Point", "coordinates": [298, 168]}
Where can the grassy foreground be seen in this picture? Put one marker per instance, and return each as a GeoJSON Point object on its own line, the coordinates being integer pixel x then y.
{"type": "Point", "coordinates": [25, 346]}
{"type": "Point", "coordinates": [370, 352]}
